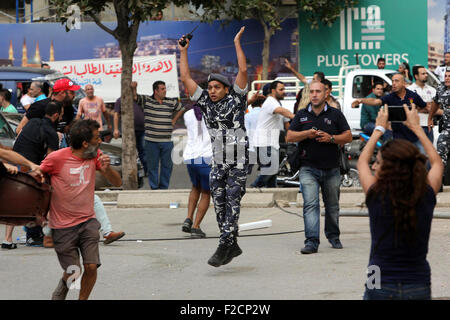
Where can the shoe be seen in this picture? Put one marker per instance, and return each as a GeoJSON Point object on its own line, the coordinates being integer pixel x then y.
{"type": "Point", "coordinates": [187, 225]}
{"type": "Point", "coordinates": [9, 246]}
{"type": "Point", "coordinates": [308, 249]}
{"type": "Point", "coordinates": [219, 256]}
{"type": "Point", "coordinates": [113, 236]}
{"type": "Point", "coordinates": [232, 253]}
{"type": "Point", "coordinates": [197, 233]}
{"type": "Point", "coordinates": [61, 290]}
{"type": "Point", "coordinates": [48, 242]}
{"type": "Point", "coordinates": [336, 244]}
{"type": "Point", "coordinates": [35, 242]}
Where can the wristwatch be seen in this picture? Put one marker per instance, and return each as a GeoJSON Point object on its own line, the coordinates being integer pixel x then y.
{"type": "Point", "coordinates": [332, 139]}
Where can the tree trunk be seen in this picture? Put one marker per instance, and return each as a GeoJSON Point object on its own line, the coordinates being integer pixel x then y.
{"type": "Point", "coordinates": [266, 50]}
{"type": "Point", "coordinates": [129, 165]}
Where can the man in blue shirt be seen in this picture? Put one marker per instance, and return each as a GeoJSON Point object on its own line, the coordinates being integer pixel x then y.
{"type": "Point", "coordinates": [399, 96]}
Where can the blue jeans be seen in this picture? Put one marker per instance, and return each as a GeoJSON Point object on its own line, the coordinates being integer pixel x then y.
{"type": "Point", "coordinates": [328, 180]}
{"type": "Point", "coordinates": [159, 153]}
{"type": "Point", "coordinates": [399, 291]}
{"type": "Point", "coordinates": [268, 160]}
{"type": "Point", "coordinates": [140, 148]}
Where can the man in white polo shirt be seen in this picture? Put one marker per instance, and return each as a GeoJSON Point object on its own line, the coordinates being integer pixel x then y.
{"type": "Point", "coordinates": [267, 135]}
{"type": "Point", "coordinates": [427, 93]}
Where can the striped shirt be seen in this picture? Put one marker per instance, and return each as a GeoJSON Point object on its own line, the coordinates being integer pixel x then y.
{"type": "Point", "coordinates": [158, 117]}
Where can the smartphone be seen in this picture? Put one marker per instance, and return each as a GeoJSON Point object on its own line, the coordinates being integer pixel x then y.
{"type": "Point", "coordinates": [397, 113]}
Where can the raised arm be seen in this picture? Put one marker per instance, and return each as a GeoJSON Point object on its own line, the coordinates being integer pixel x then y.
{"type": "Point", "coordinates": [185, 75]}
{"type": "Point", "coordinates": [365, 173]}
{"type": "Point", "coordinates": [437, 167]}
{"type": "Point", "coordinates": [241, 78]}
{"type": "Point", "coordinates": [299, 76]}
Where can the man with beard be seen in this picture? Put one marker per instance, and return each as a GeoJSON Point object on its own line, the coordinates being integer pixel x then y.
{"type": "Point", "coordinates": [427, 93]}
{"type": "Point", "coordinates": [63, 92]}
{"type": "Point", "coordinates": [72, 216]}
{"type": "Point", "coordinates": [320, 129]}
{"type": "Point", "coordinates": [267, 135]}
{"type": "Point", "coordinates": [400, 95]}
{"type": "Point", "coordinates": [223, 107]}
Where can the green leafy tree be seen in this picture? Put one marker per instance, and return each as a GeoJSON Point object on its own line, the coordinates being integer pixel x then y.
{"type": "Point", "coordinates": [129, 13]}
{"type": "Point", "coordinates": [272, 13]}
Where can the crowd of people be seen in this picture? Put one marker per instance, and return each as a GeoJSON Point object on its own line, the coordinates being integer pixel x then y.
{"type": "Point", "coordinates": [224, 143]}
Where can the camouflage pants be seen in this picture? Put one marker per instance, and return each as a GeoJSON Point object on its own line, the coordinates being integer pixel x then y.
{"type": "Point", "coordinates": [443, 144]}
{"type": "Point", "coordinates": [227, 183]}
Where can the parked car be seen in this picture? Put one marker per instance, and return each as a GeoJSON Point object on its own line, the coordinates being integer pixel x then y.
{"type": "Point", "coordinates": [18, 80]}
{"type": "Point", "coordinates": [8, 136]}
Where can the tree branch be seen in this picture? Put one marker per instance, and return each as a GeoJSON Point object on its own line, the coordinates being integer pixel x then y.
{"type": "Point", "coordinates": [284, 19]}
{"type": "Point", "coordinates": [101, 25]}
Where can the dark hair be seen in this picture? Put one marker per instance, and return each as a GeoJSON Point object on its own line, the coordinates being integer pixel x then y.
{"type": "Point", "coordinates": [6, 94]}
{"type": "Point", "coordinates": [402, 181]}
{"type": "Point", "coordinates": [44, 65]}
{"type": "Point", "coordinates": [157, 83]}
{"type": "Point", "coordinates": [274, 85]}
{"type": "Point", "coordinates": [327, 82]}
{"type": "Point", "coordinates": [376, 83]}
{"type": "Point", "coordinates": [415, 70]}
{"type": "Point", "coordinates": [406, 66]}
{"type": "Point", "coordinates": [82, 130]}
{"type": "Point", "coordinates": [381, 59]}
{"type": "Point", "coordinates": [53, 107]}
{"type": "Point", "coordinates": [320, 74]}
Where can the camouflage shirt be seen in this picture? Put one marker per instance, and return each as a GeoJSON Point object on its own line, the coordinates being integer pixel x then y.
{"type": "Point", "coordinates": [225, 122]}
{"type": "Point", "coordinates": [442, 98]}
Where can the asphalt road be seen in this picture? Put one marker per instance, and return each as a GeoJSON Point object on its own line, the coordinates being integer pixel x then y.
{"type": "Point", "coordinates": [156, 261]}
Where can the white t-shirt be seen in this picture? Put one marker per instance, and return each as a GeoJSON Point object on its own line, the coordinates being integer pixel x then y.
{"type": "Point", "coordinates": [198, 142]}
{"type": "Point", "coordinates": [269, 124]}
{"type": "Point", "coordinates": [26, 100]}
{"type": "Point", "coordinates": [427, 93]}
{"type": "Point", "coordinates": [251, 120]}
{"type": "Point", "coordinates": [440, 72]}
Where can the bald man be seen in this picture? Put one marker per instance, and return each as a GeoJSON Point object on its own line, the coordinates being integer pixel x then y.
{"type": "Point", "coordinates": [92, 107]}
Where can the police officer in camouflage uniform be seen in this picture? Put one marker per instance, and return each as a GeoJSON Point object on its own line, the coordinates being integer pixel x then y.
{"type": "Point", "coordinates": [223, 107]}
{"type": "Point", "coordinates": [442, 100]}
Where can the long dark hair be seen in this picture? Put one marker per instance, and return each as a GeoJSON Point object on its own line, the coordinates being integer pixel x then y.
{"type": "Point", "coordinates": [402, 180]}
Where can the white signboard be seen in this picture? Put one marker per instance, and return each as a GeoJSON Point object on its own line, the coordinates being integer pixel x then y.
{"type": "Point", "coordinates": [105, 74]}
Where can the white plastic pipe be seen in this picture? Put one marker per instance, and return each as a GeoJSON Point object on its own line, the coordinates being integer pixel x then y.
{"type": "Point", "coordinates": [255, 225]}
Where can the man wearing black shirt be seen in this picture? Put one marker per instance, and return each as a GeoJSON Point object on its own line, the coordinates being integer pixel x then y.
{"type": "Point", "coordinates": [399, 96]}
{"type": "Point", "coordinates": [64, 92]}
{"type": "Point", "coordinates": [320, 129]}
{"type": "Point", "coordinates": [37, 139]}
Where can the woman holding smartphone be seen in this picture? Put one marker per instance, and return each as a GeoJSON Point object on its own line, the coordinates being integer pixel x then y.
{"type": "Point", "coordinates": [400, 196]}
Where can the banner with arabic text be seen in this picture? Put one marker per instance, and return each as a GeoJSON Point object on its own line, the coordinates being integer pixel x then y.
{"type": "Point", "coordinates": [104, 74]}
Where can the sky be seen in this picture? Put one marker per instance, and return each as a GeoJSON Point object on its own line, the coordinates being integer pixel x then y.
{"type": "Point", "coordinates": [436, 23]}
